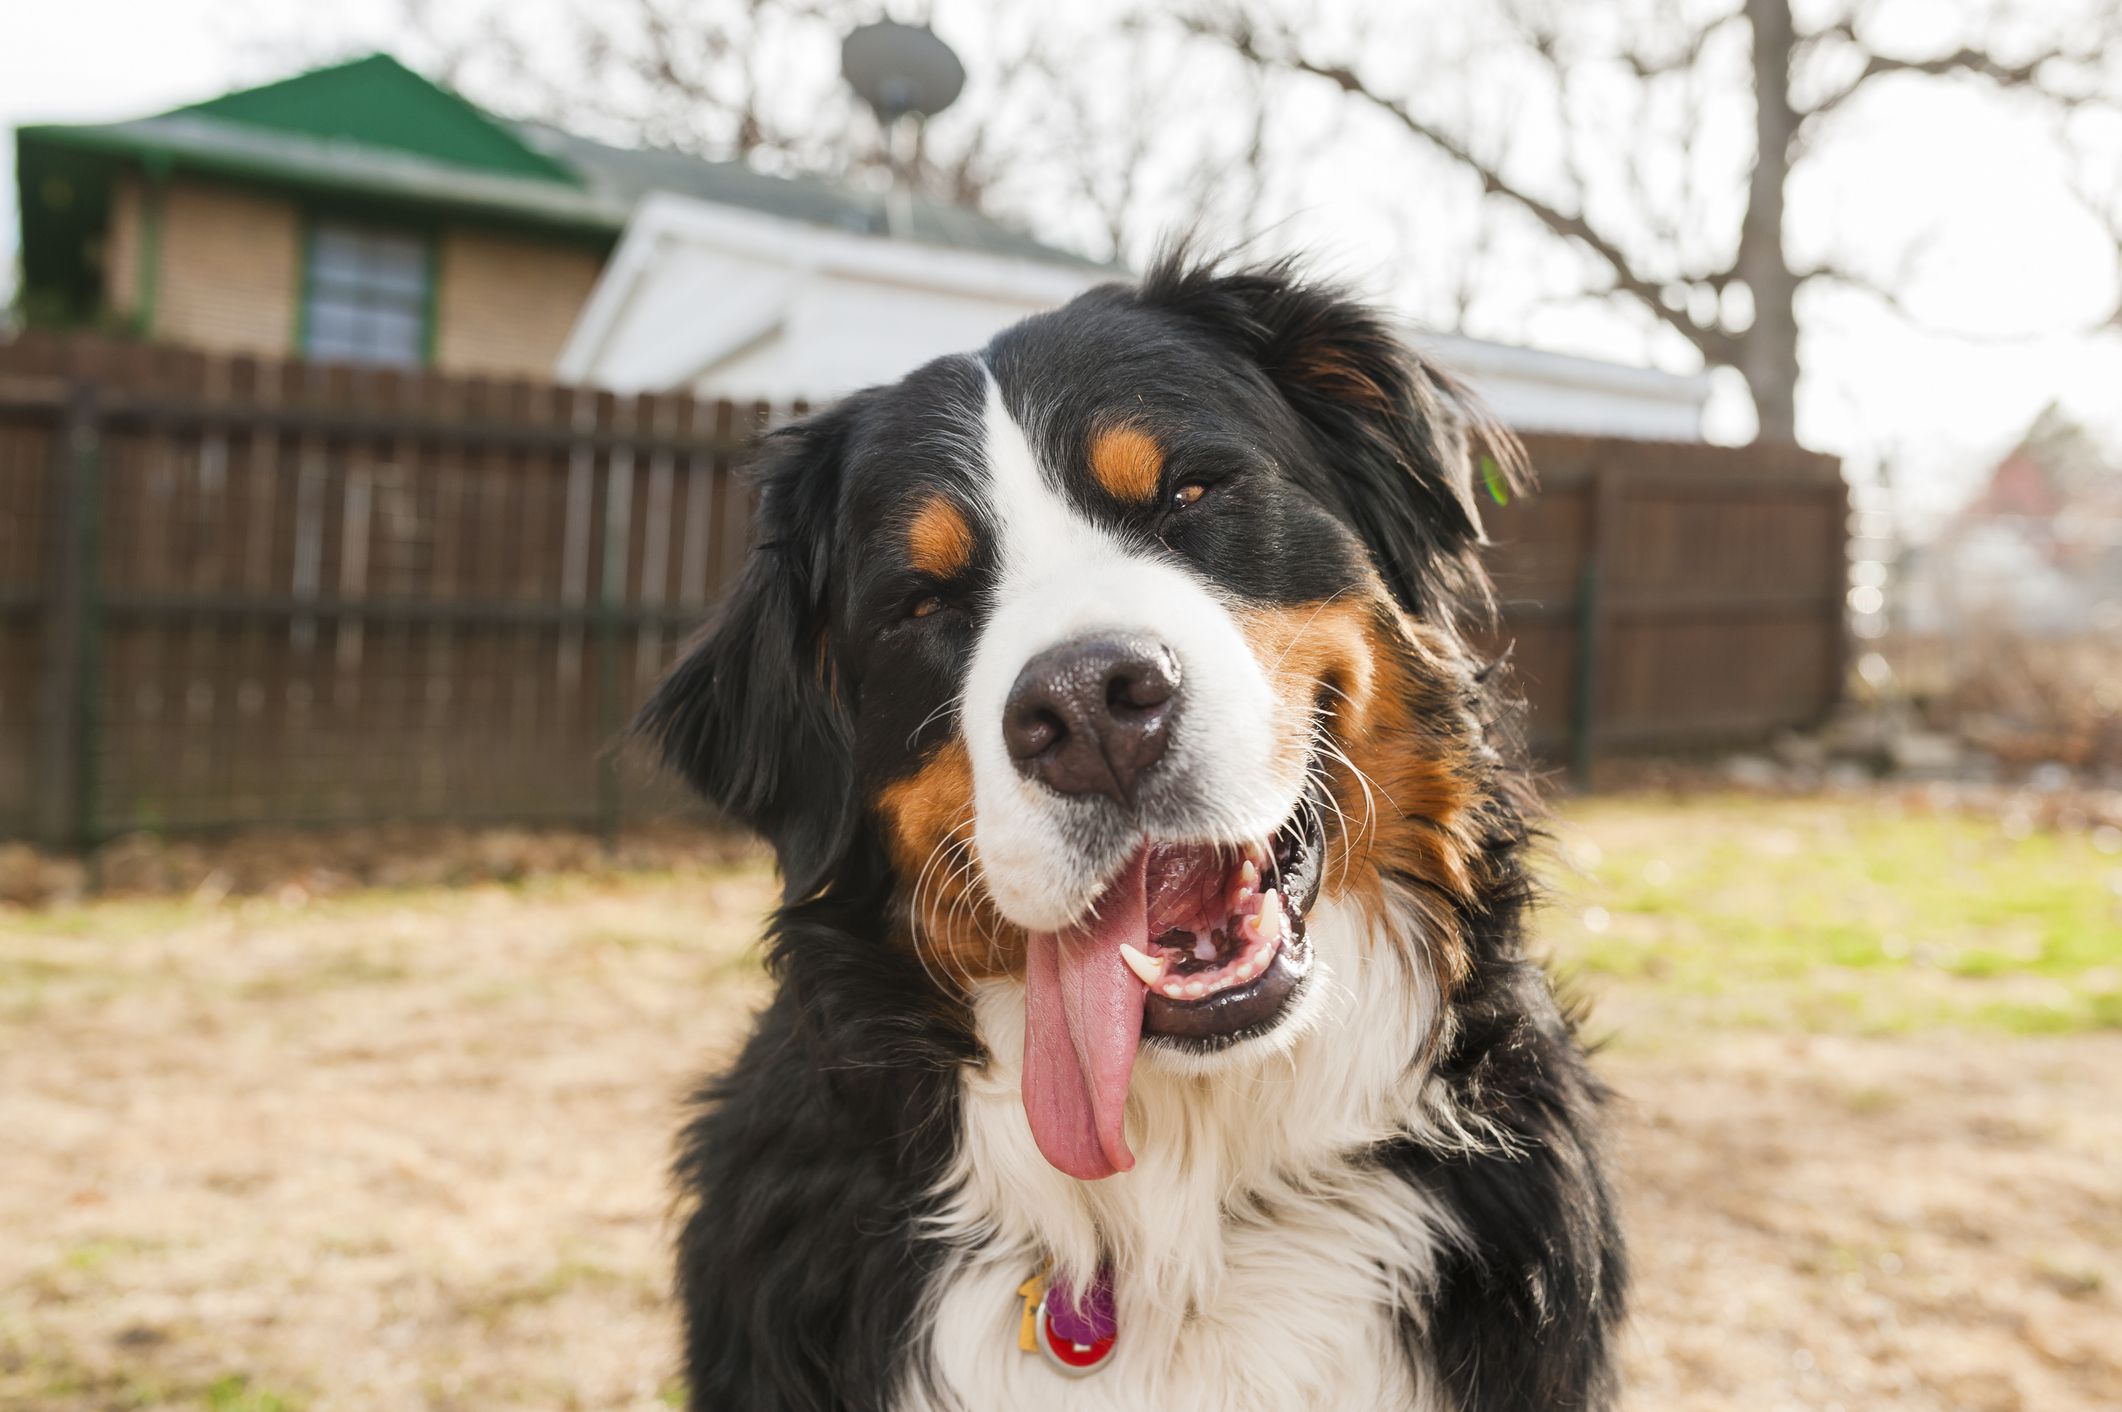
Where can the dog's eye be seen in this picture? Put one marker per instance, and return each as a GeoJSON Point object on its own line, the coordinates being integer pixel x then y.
{"type": "Point", "coordinates": [1188, 494]}
{"type": "Point", "coordinates": [924, 606]}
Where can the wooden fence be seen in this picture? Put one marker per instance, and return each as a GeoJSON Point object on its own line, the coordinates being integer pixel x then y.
{"type": "Point", "coordinates": [239, 592]}
{"type": "Point", "coordinates": [1662, 596]}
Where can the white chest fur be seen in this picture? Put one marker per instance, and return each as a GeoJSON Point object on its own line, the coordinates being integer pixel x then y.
{"type": "Point", "coordinates": [1259, 1262]}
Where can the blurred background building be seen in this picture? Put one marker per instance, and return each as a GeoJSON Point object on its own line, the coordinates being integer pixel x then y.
{"type": "Point", "coordinates": [362, 213]}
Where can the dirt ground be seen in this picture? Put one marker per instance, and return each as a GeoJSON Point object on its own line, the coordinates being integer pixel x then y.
{"type": "Point", "coordinates": [405, 1149]}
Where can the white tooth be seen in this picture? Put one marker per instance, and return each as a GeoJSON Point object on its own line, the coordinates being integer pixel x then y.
{"type": "Point", "coordinates": [1249, 875]}
{"type": "Point", "coordinates": [1174, 988]}
{"type": "Point", "coordinates": [1195, 990]}
{"type": "Point", "coordinates": [1270, 916]}
{"type": "Point", "coordinates": [1150, 969]}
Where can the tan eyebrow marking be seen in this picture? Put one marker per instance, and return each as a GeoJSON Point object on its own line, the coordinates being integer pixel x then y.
{"type": "Point", "coordinates": [939, 541]}
{"type": "Point", "coordinates": [1128, 462]}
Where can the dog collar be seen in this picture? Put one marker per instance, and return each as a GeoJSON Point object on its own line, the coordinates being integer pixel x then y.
{"type": "Point", "coordinates": [1076, 1335]}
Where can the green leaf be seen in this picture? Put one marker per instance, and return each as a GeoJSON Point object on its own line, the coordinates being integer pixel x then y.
{"type": "Point", "coordinates": [1492, 477]}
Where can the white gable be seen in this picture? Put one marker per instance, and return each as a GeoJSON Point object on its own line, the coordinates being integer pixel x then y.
{"type": "Point", "coordinates": [730, 303]}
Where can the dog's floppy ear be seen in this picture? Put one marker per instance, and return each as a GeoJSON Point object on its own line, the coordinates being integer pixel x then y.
{"type": "Point", "coordinates": [749, 715]}
{"type": "Point", "coordinates": [1404, 453]}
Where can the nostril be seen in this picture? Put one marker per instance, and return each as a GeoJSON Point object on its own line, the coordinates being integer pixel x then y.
{"type": "Point", "coordinates": [1140, 685]}
{"type": "Point", "coordinates": [1032, 731]}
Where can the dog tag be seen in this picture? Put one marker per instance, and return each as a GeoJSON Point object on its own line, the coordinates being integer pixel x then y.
{"type": "Point", "coordinates": [1077, 1337]}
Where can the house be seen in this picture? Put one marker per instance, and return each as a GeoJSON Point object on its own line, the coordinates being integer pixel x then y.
{"type": "Point", "coordinates": [797, 310]}
{"type": "Point", "coordinates": [2037, 548]}
{"type": "Point", "coordinates": [362, 213]}
{"type": "Point", "coordinates": [1533, 390]}
{"type": "Point", "coordinates": [732, 302]}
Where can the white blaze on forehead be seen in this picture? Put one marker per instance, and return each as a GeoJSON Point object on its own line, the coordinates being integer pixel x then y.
{"type": "Point", "coordinates": [1062, 577]}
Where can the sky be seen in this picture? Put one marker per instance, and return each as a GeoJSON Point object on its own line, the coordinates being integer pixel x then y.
{"type": "Point", "coordinates": [1995, 252]}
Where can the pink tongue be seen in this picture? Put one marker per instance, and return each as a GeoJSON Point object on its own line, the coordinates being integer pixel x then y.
{"type": "Point", "coordinates": [1083, 1021]}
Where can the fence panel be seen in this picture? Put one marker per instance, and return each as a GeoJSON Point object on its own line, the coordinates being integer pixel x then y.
{"type": "Point", "coordinates": [1670, 596]}
{"type": "Point", "coordinates": [239, 592]}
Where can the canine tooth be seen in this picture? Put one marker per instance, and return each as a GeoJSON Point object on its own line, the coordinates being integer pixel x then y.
{"type": "Point", "coordinates": [1149, 969]}
{"type": "Point", "coordinates": [1249, 875]}
{"type": "Point", "coordinates": [1270, 916]}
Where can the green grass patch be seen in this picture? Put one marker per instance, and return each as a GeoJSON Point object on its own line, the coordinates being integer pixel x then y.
{"type": "Point", "coordinates": [1838, 914]}
{"type": "Point", "coordinates": [235, 1392]}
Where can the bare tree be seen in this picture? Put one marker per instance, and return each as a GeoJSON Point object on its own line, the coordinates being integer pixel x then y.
{"type": "Point", "coordinates": [1092, 126]}
{"type": "Point", "coordinates": [1723, 279]}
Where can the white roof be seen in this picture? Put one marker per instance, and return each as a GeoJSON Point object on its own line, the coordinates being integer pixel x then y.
{"type": "Point", "coordinates": [1536, 391]}
{"type": "Point", "coordinates": [742, 304]}
{"type": "Point", "coordinates": [738, 303]}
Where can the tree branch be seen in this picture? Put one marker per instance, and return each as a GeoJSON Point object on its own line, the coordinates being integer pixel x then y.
{"type": "Point", "coordinates": [2029, 72]}
{"type": "Point", "coordinates": [1714, 343]}
{"type": "Point", "coordinates": [1684, 57]}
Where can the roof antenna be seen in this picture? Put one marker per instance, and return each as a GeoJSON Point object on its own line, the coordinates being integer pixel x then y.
{"type": "Point", "coordinates": [907, 76]}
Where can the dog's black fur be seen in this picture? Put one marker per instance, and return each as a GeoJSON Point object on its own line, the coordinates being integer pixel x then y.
{"type": "Point", "coordinates": [810, 1164]}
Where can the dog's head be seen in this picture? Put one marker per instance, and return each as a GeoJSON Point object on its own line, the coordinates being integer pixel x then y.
{"type": "Point", "coordinates": [1113, 648]}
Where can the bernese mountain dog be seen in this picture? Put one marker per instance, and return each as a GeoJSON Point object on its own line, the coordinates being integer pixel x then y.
{"type": "Point", "coordinates": [1154, 1026]}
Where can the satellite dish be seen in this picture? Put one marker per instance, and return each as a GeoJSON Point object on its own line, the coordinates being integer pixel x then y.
{"type": "Point", "coordinates": [901, 70]}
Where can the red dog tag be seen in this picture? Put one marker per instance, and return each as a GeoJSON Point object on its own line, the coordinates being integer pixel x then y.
{"type": "Point", "coordinates": [1077, 1336]}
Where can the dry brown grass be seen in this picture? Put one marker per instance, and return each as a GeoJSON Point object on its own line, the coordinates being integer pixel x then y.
{"type": "Point", "coordinates": [2027, 701]}
{"type": "Point", "coordinates": [383, 1151]}
{"type": "Point", "coordinates": [405, 1149]}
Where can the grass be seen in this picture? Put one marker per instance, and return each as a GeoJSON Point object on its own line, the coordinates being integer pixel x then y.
{"type": "Point", "coordinates": [406, 1146]}
{"type": "Point", "coordinates": [1847, 915]}
{"type": "Point", "coordinates": [236, 1393]}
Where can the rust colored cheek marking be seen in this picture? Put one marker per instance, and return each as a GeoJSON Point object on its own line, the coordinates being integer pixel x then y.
{"type": "Point", "coordinates": [1336, 375]}
{"type": "Point", "coordinates": [939, 541]}
{"type": "Point", "coordinates": [1406, 781]}
{"type": "Point", "coordinates": [1128, 462]}
{"type": "Point", "coordinates": [928, 827]}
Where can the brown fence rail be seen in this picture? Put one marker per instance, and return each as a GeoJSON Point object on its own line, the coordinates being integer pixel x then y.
{"type": "Point", "coordinates": [240, 592]}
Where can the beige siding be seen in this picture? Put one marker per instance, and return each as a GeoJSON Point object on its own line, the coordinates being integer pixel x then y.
{"type": "Point", "coordinates": [121, 251]}
{"type": "Point", "coordinates": [230, 269]}
{"type": "Point", "coordinates": [506, 304]}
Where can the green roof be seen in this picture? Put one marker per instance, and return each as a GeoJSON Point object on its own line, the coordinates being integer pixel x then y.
{"type": "Point", "coordinates": [379, 103]}
{"type": "Point", "coordinates": [373, 134]}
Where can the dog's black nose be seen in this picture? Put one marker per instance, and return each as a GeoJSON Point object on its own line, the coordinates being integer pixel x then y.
{"type": "Point", "coordinates": [1092, 715]}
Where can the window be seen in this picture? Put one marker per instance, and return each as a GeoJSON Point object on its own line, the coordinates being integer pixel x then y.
{"type": "Point", "coordinates": [367, 296]}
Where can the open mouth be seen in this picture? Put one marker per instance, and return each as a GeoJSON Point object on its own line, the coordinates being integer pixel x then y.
{"type": "Point", "coordinates": [1227, 949]}
{"type": "Point", "coordinates": [1192, 946]}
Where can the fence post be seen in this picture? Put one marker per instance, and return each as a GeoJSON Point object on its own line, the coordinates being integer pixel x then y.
{"type": "Point", "coordinates": [1837, 626]}
{"type": "Point", "coordinates": [611, 597]}
{"type": "Point", "coordinates": [1601, 494]}
{"type": "Point", "coordinates": [69, 639]}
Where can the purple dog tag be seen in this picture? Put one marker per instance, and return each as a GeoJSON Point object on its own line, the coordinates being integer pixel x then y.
{"type": "Point", "coordinates": [1077, 1336]}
